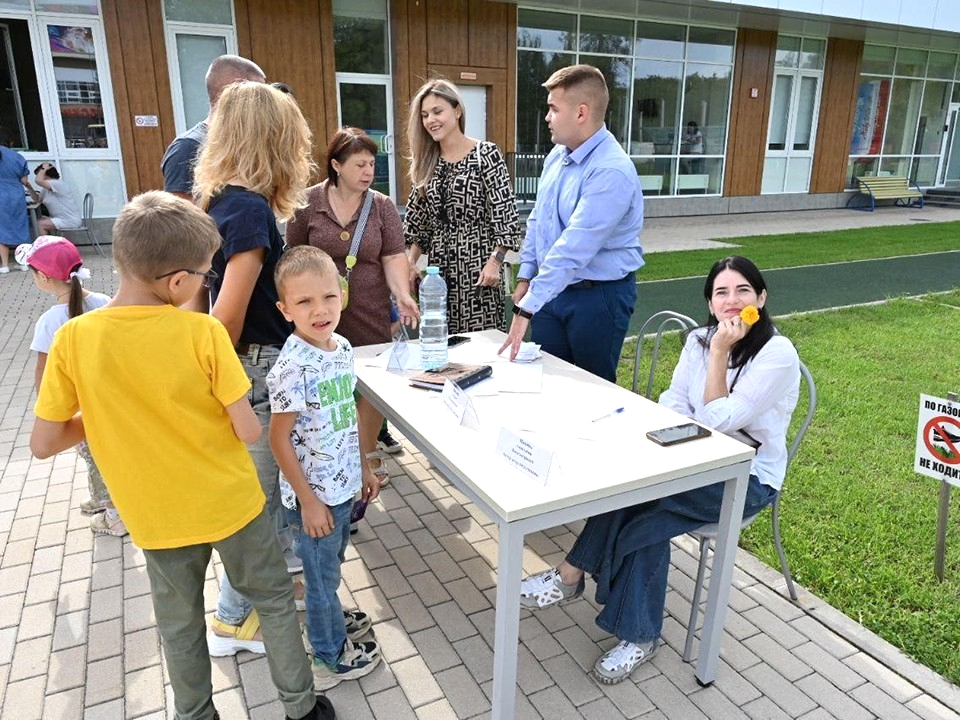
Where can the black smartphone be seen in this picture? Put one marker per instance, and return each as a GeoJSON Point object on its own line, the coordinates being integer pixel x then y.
{"type": "Point", "coordinates": [455, 340]}
{"type": "Point", "coordinates": [358, 511]}
{"type": "Point", "coordinates": [678, 434]}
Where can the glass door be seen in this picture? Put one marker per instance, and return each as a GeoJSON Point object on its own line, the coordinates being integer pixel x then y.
{"type": "Point", "coordinates": [949, 172]}
{"type": "Point", "coordinates": [366, 102]}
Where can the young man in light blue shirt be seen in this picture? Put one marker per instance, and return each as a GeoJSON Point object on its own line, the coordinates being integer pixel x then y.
{"type": "Point", "coordinates": [577, 282]}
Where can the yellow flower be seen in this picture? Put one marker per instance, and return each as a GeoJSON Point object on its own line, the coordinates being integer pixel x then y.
{"type": "Point", "coordinates": [749, 315]}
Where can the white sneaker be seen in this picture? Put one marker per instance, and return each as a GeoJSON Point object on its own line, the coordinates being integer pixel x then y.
{"type": "Point", "coordinates": [4, 270]}
{"type": "Point", "coordinates": [616, 664]}
{"type": "Point", "coordinates": [108, 523]}
{"type": "Point", "coordinates": [546, 589]}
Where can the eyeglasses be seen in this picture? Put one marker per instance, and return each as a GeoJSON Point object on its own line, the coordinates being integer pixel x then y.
{"type": "Point", "coordinates": [208, 277]}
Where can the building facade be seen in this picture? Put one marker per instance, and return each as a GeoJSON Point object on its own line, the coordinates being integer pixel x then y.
{"type": "Point", "coordinates": [723, 107]}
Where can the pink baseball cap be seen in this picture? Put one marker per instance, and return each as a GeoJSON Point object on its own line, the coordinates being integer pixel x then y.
{"type": "Point", "coordinates": [54, 256]}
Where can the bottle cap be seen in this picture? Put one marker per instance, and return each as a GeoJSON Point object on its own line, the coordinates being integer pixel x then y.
{"type": "Point", "coordinates": [432, 270]}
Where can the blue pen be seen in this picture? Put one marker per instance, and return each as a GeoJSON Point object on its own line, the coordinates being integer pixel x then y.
{"type": "Point", "coordinates": [609, 414]}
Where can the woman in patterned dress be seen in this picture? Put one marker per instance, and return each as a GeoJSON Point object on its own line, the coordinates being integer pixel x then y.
{"type": "Point", "coordinates": [461, 210]}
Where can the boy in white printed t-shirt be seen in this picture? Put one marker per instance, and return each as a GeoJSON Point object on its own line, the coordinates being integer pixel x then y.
{"type": "Point", "coordinates": [315, 437]}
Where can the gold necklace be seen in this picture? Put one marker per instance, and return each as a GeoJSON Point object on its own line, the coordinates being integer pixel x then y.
{"type": "Point", "coordinates": [333, 193]}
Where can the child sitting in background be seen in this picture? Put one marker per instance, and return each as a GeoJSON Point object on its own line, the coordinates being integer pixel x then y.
{"type": "Point", "coordinates": [57, 268]}
{"type": "Point", "coordinates": [315, 437]}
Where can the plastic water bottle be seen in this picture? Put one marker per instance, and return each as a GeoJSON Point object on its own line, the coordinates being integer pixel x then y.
{"type": "Point", "coordinates": [433, 320]}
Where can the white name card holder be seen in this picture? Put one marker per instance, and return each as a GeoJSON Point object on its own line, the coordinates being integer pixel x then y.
{"type": "Point", "coordinates": [460, 404]}
{"type": "Point", "coordinates": [532, 460]}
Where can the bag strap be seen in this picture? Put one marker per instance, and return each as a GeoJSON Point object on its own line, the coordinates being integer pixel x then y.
{"type": "Point", "coordinates": [351, 259]}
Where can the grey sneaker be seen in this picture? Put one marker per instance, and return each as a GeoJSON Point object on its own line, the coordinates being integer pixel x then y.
{"type": "Point", "coordinates": [108, 523]}
{"type": "Point", "coordinates": [616, 664]}
{"type": "Point", "coordinates": [388, 443]}
{"type": "Point", "coordinates": [358, 623]}
{"type": "Point", "coordinates": [546, 589]}
{"type": "Point", "coordinates": [90, 507]}
{"type": "Point", "coordinates": [357, 660]}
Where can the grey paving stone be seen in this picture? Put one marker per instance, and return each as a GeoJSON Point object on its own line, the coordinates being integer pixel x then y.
{"type": "Point", "coordinates": [138, 613]}
{"type": "Point", "coordinates": [391, 703]}
{"type": "Point", "coordinates": [73, 596]}
{"type": "Point", "coordinates": [880, 703]}
{"type": "Point", "coordinates": [467, 595]}
{"type": "Point", "coordinates": [435, 649]}
{"type": "Point", "coordinates": [106, 604]}
{"type": "Point", "coordinates": [476, 656]}
{"type": "Point", "coordinates": [785, 663]}
{"type": "Point", "coordinates": [417, 681]}
{"type": "Point", "coordinates": [439, 710]}
{"type": "Point", "coordinates": [11, 608]}
{"type": "Point", "coordinates": [479, 572]}
{"type": "Point", "coordinates": [715, 705]}
{"type": "Point", "coordinates": [23, 699]}
{"type": "Point", "coordinates": [374, 554]}
{"type": "Point", "coordinates": [77, 566]}
{"type": "Point", "coordinates": [576, 684]}
{"type": "Point", "coordinates": [892, 684]}
{"type": "Point", "coordinates": [457, 547]}
{"type": "Point", "coordinates": [412, 613]}
{"type": "Point", "coordinates": [824, 637]}
{"type": "Point", "coordinates": [391, 535]}
{"type": "Point", "coordinates": [135, 581]}
{"type": "Point", "coordinates": [105, 711]}
{"type": "Point", "coordinates": [463, 692]}
{"type": "Point", "coordinates": [817, 714]}
{"type": "Point", "coordinates": [70, 630]}
{"type": "Point", "coordinates": [42, 588]}
{"type": "Point", "coordinates": [392, 582]}
{"type": "Point", "coordinates": [394, 641]}
{"type": "Point", "coordinates": [409, 561]}
{"type": "Point", "coordinates": [779, 690]}
{"type": "Point", "coordinates": [144, 691]}
{"type": "Point", "coordinates": [424, 541]}
{"type": "Point", "coordinates": [832, 699]}
{"type": "Point", "coordinates": [552, 703]}
{"type": "Point", "coordinates": [930, 709]}
{"type": "Point", "coordinates": [437, 523]}
{"type": "Point", "coordinates": [30, 659]}
{"type": "Point", "coordinates": [141, 649]}
{"type": "Point", "coordinates": [774, 627]}
{"type": "Point", "coordinates": [348, 699]}
{"type": "Point", "coordinates": [356, 575]}
{"type": "Point", "coordinates": [67, 670]}
{"type": "Point", "coordinates": [104, 680]}
{"type": "Point", "coordinates": [8, 641]}
{"type": "Point", "coordinates": [105, 639]}
{"type": "Point", "coordinates": [373, 602]}
{"type": "Point", "coordinates": [765, 709]}
{"type": "Point", "coordinates": [429, 588]}
{"type": "Point", "coordinates": [379, 680]}
{"type": "Point", "coordinates": [828, 666]}
{"type": "Point", "coordinates": [452, 621]}
{"type": "Point", "coordinates": [37, 620]}
{"type": "Point", "coordinates": [66, 705]}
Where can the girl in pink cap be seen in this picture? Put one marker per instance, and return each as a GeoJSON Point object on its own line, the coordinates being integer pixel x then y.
{"type": "Point", "coordinates": [58, 269]}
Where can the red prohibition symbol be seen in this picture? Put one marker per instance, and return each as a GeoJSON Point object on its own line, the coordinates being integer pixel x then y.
{"type": "Point", "coordinates": [945, 431]}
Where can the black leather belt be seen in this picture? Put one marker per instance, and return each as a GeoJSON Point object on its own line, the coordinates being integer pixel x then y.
{"type": "Point", "coordinates": [588, 284]}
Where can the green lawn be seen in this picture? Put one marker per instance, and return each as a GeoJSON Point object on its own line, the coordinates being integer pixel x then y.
{"type": "Point", "coordinates": [778, 251]}
{"type": "Point", "coordinates": [858, 524]}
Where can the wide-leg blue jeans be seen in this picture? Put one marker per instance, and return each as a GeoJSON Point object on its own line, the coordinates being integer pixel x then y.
{"type": "Point", "coordinates": [627, 551]}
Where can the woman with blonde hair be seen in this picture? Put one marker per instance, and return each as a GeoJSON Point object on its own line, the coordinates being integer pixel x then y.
{"type": "Point", "coordinates": [253, 169]}
{"type": "Point", "coordinates": [461, 211]}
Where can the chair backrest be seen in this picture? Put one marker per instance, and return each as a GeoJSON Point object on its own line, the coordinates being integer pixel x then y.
{"type": "Point", "coordinates": [661, 321]}
{"type": "Point", "coordinates": [87, 209]}
{"type": "Point", "coordinates": [811, 409]}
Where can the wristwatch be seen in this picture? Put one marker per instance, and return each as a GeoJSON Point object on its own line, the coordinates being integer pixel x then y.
{"type": "Point", "coordinates": [523, 279]}
{"type": "Point", "coordinates": [500, 256]}
{"type": "Point", "coordinates": [525, 314]}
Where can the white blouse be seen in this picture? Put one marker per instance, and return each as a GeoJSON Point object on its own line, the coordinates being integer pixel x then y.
{"type": "Point", "coordinates": [761, 403]}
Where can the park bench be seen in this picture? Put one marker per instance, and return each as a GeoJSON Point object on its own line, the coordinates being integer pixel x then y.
{"type": "Point", "coordinates": [886, 188]}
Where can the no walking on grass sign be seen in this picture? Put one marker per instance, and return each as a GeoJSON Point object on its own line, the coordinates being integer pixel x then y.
{"type": "Point", "coordinates": [938, 439]}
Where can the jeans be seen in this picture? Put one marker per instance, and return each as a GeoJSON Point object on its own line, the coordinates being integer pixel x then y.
{"type": "Point", "coordinates": [252, 558]}
{"type": "Point", "coordinates": [322, 557]}
{"type": "Point", "coordinates": [587, 326]}
{"type": "Point", "coordinates": [628, 553]}
{"type": "Point", "coordinates": [232, 607]}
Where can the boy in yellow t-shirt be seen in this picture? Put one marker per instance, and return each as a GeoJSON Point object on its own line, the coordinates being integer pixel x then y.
{"type": "Point", "coordinates": [165, 413]}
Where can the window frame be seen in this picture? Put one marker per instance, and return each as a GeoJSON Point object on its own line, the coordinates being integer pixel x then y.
{"type": "Point", "coordinates": [173, 28]}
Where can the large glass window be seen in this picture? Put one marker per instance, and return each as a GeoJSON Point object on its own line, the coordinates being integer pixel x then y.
{"type": "Point", "coordinates": [21, 112]}
{"type": "Point", "coordinates": [669, 92]}
{"type": "Point", "coordinates": [78, 86]}
{"type": "Point", "coordinates": [901, 112]}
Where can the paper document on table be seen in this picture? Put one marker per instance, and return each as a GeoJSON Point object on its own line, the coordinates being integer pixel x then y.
{"type": "Point", "coordinates": [399, 356]}
{"type": "Point", "coordinates": [510, 377]}
{"type": "Point", "coordinates": [528, 352]}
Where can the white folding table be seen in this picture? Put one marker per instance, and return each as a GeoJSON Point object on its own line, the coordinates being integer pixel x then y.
{"type": "Point", "coordinates": [616, 467]}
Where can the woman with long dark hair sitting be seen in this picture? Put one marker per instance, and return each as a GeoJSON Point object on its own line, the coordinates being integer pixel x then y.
{"type": "Point", "coordinates": [738, 378]}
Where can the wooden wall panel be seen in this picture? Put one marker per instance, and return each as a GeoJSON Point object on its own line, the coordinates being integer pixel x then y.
{"type": "Point", "coordinates": [838, 100]}
{"type": "Point", "coordinates": [487, 33]}
{"type": "Point", "coordinates": [141, 86]}
{"type": "Point", "coordinates": [448, 32]}
{"type": "Point", "coordinates": [292, 40]}
{"type": "Point", "coordinates": [452, 38]}
{"type": "Point", "coordinates": [746, 143]}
